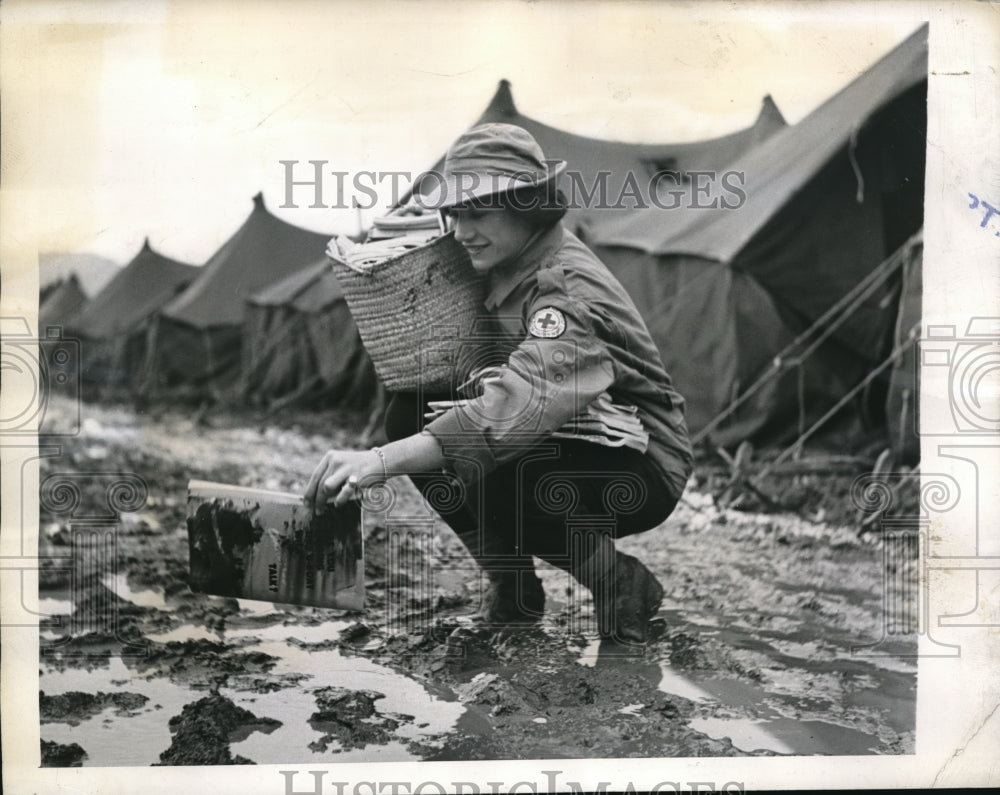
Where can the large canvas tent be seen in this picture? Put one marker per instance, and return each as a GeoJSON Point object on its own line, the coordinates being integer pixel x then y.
{"type": "Point", "coordinates": [301, 345]}
{"type": "Point", "coordinates": [196, 342]}
{"type": "Point", "coordinates": [112, 328]}
{"type": "Point", "coordinates": [827, 200]}
{"type": "Point", "coordinates": [607, 181]}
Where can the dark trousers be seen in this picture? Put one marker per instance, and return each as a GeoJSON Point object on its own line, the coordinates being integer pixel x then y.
{"type": "Point", "coordinates": [560, 501]}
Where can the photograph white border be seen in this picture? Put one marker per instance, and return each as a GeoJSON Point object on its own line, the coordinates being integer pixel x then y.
{"type": "Point", "coordinates": [958, 725]}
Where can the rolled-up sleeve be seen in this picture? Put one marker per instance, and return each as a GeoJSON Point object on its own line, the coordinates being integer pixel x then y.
{"type": "Point", "coordinates": [545, 384]}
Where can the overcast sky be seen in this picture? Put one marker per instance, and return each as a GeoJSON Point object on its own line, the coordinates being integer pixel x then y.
{"type": "Point", "coordinates": [165, 118]}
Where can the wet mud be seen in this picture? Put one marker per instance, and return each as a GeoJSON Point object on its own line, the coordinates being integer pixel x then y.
{"type": "Point", "coordinates": [73, 707]}
{"type": "Point", "coordinates": [204, 729]}
{"type": "Point", "coordinates": [56, 755]}
{"type": "Point", "coordinates": [347, 718]}
{"type": "Point", "coordinates": [773, 637]}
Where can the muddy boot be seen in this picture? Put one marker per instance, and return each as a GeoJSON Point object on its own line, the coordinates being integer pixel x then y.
{"type": "Point", "coordinates": [512, 597]}
{"type": "Point", "coordinates": [626, 594]}
{"type": "Point", "coordinates": [636, 596]}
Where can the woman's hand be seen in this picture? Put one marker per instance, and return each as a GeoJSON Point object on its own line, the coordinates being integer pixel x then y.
{"type": "Point", "coordinates": [340, 476]}
{"type": "Point", "coordinates": [333, 479]}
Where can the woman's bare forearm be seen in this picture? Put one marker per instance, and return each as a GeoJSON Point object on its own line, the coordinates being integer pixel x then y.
{"type": "Point", "coordinates": [418, 453]}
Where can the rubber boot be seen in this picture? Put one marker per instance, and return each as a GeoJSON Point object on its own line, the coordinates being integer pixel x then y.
{"type": "Point", "coordinates": [626, 594]}
{"type": "Point", "coordinates": [512, 598]}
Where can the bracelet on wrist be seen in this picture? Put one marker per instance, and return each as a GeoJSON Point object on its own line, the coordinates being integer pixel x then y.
{"type": "Point", "coordinates": [381, 457]}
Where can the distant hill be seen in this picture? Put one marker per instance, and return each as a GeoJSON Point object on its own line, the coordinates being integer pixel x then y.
{"type": "Point", "coordinates": [92, 271]}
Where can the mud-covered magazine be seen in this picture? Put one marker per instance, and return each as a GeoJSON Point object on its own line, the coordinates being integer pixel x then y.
{"type": "Point", "coordinates": [265, 545]}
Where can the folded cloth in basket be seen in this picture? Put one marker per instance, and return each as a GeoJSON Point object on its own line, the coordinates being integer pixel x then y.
{"type": "Point", "coordinates": [364, 256]}
{"type": "Point", "coordinates": [407, 221]}
{"type": "Point", "coordinates": [404, 221]}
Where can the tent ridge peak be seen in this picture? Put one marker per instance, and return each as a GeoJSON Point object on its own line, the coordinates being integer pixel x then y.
{"type": "Point", "coordinates": [769, 109]}
{"type": "Point", "coordinates": [161, 258]}
{"type": "Point", "coordinates": [503, 100]}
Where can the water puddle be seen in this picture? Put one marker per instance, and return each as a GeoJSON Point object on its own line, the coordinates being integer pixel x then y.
{"type": "Point", "coordinates": [674, 684]}
{"type": "Point", "coordinates": [745, 734]}
{"type": "Point", "coordinates": [785, 707]}
{"type": "Point", "coordinates": [111, 739]}
{"type": "Point", "coordinates": [325, 668]}
{"type": "Point", "coordinates": [282, 633]}
{"type": "Point", "coordinates": [49, 607]}
{"type": "Point", "coordinates": [588, 654]}
{"type": "Point", "coordinates": [788, 736]}
{"type": "Point", "coordinates": [143, 597]}
{"type": "Point", "coordinates": [253, 607]}
{"type": "Point", "coordinates": [903, 662]}
{"type": "Point", "coordinates": [628, 709]}
{"type": "Point", "coordinates": [821, 737]}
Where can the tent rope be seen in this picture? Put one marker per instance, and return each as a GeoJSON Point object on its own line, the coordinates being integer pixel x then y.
{"type": "Point", "coordinates": [796, 447]}
{"type": "Point", "coordinates": [837, 314]}
{"type": "Point", "coordinates": [859, 197]}
{"type": "Point", "coordinates": [785, 360]}
{"type": "Point", "coordinates": [802, 396]}
{"type": "Point", "coordinates": [904, 416]}
{"type": "Point", "coordinates": [876, 515]}
{"type": "Point", "coordinates": [149, 383]}
{"type": "Point", "coordinates": [906, 395]}
{"type": "Point", "coordinates": [213, 387]}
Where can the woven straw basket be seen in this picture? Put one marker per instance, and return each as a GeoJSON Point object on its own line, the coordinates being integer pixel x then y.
{"type": "Point", "coordinates": [415, 312]}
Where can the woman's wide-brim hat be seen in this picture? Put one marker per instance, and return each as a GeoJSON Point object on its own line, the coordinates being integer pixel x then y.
{"type": "Point", "coordinates": [489, 160]}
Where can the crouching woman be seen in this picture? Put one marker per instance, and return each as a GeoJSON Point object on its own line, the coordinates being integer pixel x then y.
{"type": "Point", "coordinates": [573, 437]}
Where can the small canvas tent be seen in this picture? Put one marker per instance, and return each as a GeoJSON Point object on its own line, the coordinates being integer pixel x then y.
{"type": "Point", "coordinates": [300, 344]}
{"type": "Point", "coordinates": [196, 342]}
{"type": "Point", "coordinates": [112, 327]}
{"type": "Point", "coordinates": [725, 290]}
{"type": "Point", "coordinates": [607, 181]}
{"type": "Point", "coordinates": [92, 271]}
{"type": "Point", "coordinates": [60, 302]}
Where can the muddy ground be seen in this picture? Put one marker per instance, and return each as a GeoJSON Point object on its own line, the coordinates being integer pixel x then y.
{"type": "Point", "coordinates": [773, 638]}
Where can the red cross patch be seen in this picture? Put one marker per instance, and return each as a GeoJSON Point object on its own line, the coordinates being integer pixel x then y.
{"type": "Point", "coordinates": [547, 323]}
